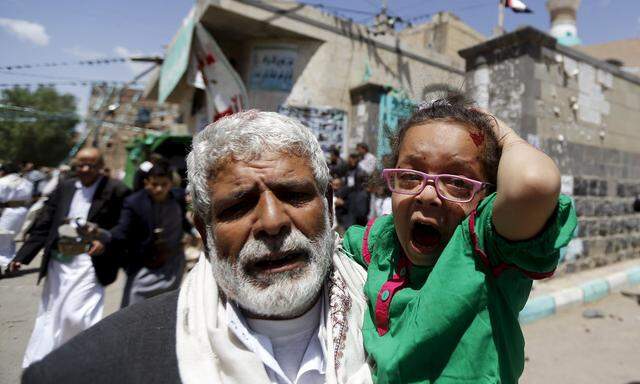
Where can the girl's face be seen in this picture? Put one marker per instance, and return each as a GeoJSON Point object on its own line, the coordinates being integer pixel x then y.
{"type": "Point", "coordinates": [425, 223]}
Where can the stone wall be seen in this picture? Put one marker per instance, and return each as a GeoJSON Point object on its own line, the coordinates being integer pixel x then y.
{"type": "Point", "coordinates": [603, 184]}
{"type": "Point", "coordinates": [584, 114]}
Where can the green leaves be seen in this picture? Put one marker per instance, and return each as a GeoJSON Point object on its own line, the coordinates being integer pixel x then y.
{"type": "Point", "coordinates": [36, 126]}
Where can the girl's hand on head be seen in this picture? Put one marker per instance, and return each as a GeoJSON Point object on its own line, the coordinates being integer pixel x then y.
{"type": "Point", "coordinates": [504, 133]}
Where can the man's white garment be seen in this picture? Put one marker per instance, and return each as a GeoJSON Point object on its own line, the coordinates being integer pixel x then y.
{"type": "Point", "coordinates": [12, 188]}
{"type": "Point", "coordinates": [72, 297]}
{"type": "Point", "coordinates": [368, 163]}
{"type": "Point", "coordinates": [379, 206]}
{"type": "Point", "coordinates": [209, 349]}
{"type": "Point", "coordinates": [37, 207]}
{"type": "Point", "coordinates": [290, 350]}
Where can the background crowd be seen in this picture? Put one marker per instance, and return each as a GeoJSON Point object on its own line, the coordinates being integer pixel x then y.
{"type": "Point", "coordinates": [359, 193]}
{"type": "Point", "coordinates": [78, 213]}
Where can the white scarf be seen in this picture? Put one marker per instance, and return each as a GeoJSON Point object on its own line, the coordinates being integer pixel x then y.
{"type": "Point", "coordinates": [208, 352]}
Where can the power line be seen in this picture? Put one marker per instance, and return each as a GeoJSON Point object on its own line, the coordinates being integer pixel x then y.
{"type": "Point", "coordinates": [44, 115]}
{"type": "Point", "coordinates": [96, 61]}
{"type": "Point", "coordinates": [41, 76]}
{"type": "Point", "coordinates": [406, 6]}
{"type": "Point", "coordinates": [18, 108]}
{"type": "Point", "coordinates": [472, 6]}
{"type": "Point", "coordinates": [71, 83]}
{"type": "Point", "coordinates": [340, 9]}
{"type": "Point", "coordinates": [325, 7]}
{"type": "Point", "coordinates": [372, 3]}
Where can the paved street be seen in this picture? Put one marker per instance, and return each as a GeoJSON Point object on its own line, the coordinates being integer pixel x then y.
{"type": "Point", "coordinates": [568, 348]}
{"type": "Point", "coordinates": [565, 348]}
{"type": "Point", "coordinates": [19, 299]}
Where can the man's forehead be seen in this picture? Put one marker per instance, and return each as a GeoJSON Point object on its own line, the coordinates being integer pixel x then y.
{"type": "Point", "coordinates": [87, 155]}
{"type": "Point", "coordinates": [268, 163]}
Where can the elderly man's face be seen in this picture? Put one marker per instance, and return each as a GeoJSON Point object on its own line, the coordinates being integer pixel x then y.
{"type": "Point", "coordinates": [271, 238]}
{"type": "Point", "coordinates": [88, 165]}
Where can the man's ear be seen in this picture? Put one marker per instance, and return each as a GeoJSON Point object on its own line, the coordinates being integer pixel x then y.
{"type": "Point", "coordinates": [329, 196]}
{"type": "Point", "coordinates": [202, 230]}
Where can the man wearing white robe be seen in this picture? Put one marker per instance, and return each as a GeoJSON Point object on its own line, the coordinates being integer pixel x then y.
{"type": "Point", "coordinates": [73, 293]}
{"type": "Point", "coordinates": [15, 196]}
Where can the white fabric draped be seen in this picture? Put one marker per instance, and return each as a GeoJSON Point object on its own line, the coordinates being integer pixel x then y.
{"type": "Point", "coordinates": [208, 352]}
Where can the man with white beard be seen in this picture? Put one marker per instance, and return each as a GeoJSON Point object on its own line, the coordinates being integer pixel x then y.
{"type": "Point", "coordinates": [275, 300]}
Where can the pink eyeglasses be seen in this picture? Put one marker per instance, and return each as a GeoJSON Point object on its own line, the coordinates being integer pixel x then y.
{"type": "Point", "coordinates": [454, 188]}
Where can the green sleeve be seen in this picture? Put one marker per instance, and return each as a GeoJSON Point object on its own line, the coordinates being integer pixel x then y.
{"type": "Point", "coordinates": [352, 244]}
{"type": "Point", "coordinates": [538, 254]}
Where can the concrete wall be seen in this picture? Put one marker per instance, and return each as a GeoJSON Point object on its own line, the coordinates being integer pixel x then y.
{"type": "Point", "coordinates": [334, 56]}
{"type": "Point", "coordinates": [446, 34]}
{"type": "Point", "coordinates": [583, 113]}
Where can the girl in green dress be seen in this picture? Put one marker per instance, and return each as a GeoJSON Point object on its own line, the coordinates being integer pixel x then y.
{"type": "Point", "coordinates": [477, 215]}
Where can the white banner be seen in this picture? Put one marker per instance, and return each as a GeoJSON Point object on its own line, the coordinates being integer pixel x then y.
{"type": "Point", "coordinates": [226, 93]}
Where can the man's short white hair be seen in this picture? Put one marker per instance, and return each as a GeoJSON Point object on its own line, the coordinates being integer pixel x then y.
{"type": "Point", "coordinates": [245, 136]}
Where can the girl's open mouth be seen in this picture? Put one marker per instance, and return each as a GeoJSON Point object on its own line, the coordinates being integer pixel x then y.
{"type": "Point", "coordinates": [425, 237]}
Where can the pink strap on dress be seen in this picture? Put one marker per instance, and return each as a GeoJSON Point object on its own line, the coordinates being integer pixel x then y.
{"type": "Point", "coordinates": [497, 270]}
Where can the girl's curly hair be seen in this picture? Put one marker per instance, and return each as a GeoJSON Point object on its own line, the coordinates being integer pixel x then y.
{"type": "Point", "coordinates": [453, 107]}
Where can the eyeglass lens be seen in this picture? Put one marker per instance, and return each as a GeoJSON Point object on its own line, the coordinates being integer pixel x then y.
{"type": "Point", "coordinates": [450, 187]}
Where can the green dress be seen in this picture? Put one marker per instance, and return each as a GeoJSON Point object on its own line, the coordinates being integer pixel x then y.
{"type": "Point", "coordinates": [455, 322]}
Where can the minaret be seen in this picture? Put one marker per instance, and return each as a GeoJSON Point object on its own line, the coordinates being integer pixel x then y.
{"type": "Point", "coordinates": [563, 20]}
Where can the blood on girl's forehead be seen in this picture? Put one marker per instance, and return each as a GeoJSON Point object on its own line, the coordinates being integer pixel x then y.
{"type": "Point", "coordinates": [477, 137]}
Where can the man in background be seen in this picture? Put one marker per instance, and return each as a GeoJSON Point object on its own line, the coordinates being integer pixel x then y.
{"type": "Point", "coordinates": [367, 160]}
{"type": "Point", "coordinates": [149, 235]}
{"type": "Point", "coordinates": [76, 269]}
{"type": "Point", "coordinates": [15, 198]}
{"type": "Point", "coordinates": [337, 165]}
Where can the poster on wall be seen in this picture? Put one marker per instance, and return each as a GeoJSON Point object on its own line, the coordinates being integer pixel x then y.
{"type": "Point", "coordinates": [395, 106]}
{"type": "Point", "coordinates": [272, 68]}
{"type": "Point", "coordinates": [328, 124]}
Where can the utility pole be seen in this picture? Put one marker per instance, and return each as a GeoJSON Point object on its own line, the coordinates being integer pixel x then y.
{"type": "Point", "coordinates": [499, 30]}
{"type": "Point", "coordinates": [384, 23]}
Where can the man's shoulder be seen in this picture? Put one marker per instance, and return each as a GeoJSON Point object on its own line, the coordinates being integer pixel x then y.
{"type": "Point", "coordinates": [135, 344]}
{"type": "Point", "coordinates": [137, 196]}
{"type": "Point", "coordinates": [68, 183]}
{"type": "Point", "coordinates": [118, 186]}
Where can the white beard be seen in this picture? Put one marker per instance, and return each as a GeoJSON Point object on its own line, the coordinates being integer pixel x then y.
{"type": "Point", "coordinates": [286, 294]}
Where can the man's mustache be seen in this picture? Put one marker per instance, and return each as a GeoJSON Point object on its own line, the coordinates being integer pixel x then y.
{"type": "Point", "coordinates": [258, 249]}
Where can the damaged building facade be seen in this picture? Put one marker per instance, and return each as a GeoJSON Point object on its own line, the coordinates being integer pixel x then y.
{"type": "Point", "coordinates": [328, 72]}
{"type": "Point", "coordinates": [584, 113]}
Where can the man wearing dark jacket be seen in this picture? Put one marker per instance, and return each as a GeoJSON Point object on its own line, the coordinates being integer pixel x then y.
{"type": "Point", "coordinates": [149, 233]}
{"type": "Point", "coordinates": [76, 269]}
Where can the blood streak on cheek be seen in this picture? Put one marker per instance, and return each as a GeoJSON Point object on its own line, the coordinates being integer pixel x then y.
{"type": "Point", "coordinates": [478, 138]}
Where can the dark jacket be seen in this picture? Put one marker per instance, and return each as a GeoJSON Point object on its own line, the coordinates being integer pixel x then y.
{"type": "Point", "coordinates": [134, 345]}
{"type": "Point", "coordinates": [357, 203]}
{"type": "Point", "coordinates": [132, 238]}
{"type": "Point", "coordinates": [104, 211]}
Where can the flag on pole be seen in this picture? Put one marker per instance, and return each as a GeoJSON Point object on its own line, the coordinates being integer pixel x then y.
{"type": "Point", "coordinates": [517, 6]}
{"type": "Point", "coordinates": [226, 93]}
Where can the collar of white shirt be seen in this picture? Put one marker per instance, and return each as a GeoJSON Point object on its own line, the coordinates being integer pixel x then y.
{"type": "Point", "coordinates": [313, 359]}
{"type": "Point", "coordinates": [90, 188]}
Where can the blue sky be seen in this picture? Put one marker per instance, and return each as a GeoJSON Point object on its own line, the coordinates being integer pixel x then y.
{"type": "Point", "coordinates": [36, 31]}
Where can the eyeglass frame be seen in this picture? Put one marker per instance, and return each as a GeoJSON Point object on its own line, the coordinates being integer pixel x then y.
{"type": "Point", "coordinates": [477, 185]}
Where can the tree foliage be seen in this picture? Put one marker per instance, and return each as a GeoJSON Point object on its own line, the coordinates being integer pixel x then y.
{"type": "Point", "coordinates": [36, 126]}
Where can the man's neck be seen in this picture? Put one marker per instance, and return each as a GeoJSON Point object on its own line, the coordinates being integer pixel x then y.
{"type": "Point", "coordinates": [250, 315]}
{"type": "Point", "coordinates": [90, 183]}
{"type": "Point", "coordinates": [275, 328]}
